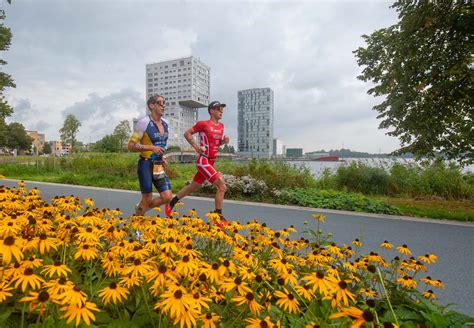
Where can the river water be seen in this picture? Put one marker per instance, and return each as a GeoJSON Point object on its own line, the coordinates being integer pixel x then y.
{"type": "Point", "coordinates": [317, 167]}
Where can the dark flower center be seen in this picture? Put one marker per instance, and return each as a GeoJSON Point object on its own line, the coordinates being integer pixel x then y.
{"type": "Point", "coordinates": [368, 316]}
{"type": "Point", "coordinates": [342, 284]}
{"type": "Point", "coordinates": [237, 281]}
{"type": "Point", "coordinates": [202, 277]}
{"type": "Point", "coordinates": [249, 296]}
{"type": "Point", "coordinates": [320, 274]}
{"type": "Point", "coordinates": [208, 316]}
{"type": "Point", "coordinates": [89, 229]}
{"type": "Point", "coordinates": [290, 297]}
{"type": "Point", "coordinates": [113, 285]}
{"type": "Point", "coordinates": [137, 262]}
{"type": "Point", "coordinates": [62, 281]}
{"type": "Point", "coordinates": [215, 266]}
{"type": "Point", "coordinates": [185, 258]}
{"type": "Point", "coordinates": [57, 263]}
{"type": "Point", "coordinates": [263, 324]}
{"type": "Point", "coordinates": [162, 269]}
{"type": "Point", "coordinates": [9, 241]}
{"type": "Point", "coordinates": [226, 263]}
{"type": "Point", "coordinates": [178, 294]}
{"type": "Point", "coordinates": [43, 296]}
{"type": "Point", "coordinates": [28, 272]}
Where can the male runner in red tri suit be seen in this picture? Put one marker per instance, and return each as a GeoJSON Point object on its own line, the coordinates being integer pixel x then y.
{"type": "Point", "coordinates": [211, 137]}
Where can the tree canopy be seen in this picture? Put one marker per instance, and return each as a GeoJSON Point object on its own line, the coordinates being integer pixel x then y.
{"type": "Point", "coordinates": [122, 132]}
{"type": "Point", "coordinates": [5, 79]}
{"type": "Point", "coordinates": [423, 67]}
{"type": "Point", "coordinates": [69, 130]}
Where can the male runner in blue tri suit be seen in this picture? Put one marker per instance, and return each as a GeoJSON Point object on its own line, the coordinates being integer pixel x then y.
{"type": "Point", "coordinates": [149, 138]}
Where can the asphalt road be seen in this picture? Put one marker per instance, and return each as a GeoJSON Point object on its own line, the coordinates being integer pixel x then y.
{"type": "Point", "coordinates": [451, 241]}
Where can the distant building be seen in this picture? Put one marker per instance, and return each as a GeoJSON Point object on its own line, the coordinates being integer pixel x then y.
{"type": "Point", "coordinates": [38, 141]}
{"type": "Point", "coordinates": [278, 148]}
{"type": "Point", "coordinates": [294, 152]}
{"type": "Point", "coordinates": [185, 84]}
{"type": "Point", "coordinates": [255, 122]}
{"type": "Point", "coordinates": [56, 148]}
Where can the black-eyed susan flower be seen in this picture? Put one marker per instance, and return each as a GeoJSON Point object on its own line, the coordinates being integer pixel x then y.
{"type": "Point", "coordinates": [368, 292]}
{"type": "Point", "coordinates": [9, 249]}
{"type": "Point", "coordinates": [428, 258]}
{"type": "Point", "coordinates": [287, 301]}
{"type": "Point", "coordinates": [73, 296]}
{"type": "Point", "coordinates": [259, 323]}
{"type": "Point", "coordinates": [209, 320]}
{"type": "Point", "coordinates": [86, 252]}
{"type": "Point", "coordinates": [304, 291]}
{"type": "Point", "coordinates": [28, 278]}
{"type": "Point", "coordinates": [176, 301]}
{"type": "Point", "coordinates": [318, 217]}
{"type": "Point", "coordinates": [114, 293]}
{"type": "Point", "coordinates": [56, 287]}
{"type": "Point", "coordinates": [319, 282]}
{"type": "Point", "coordinates": [138, 268]}
{"type": "Point", "coordinates": [356, 242]}
{"type": "Point", "coordinates": [236, 283]}
{"type": "Point", "coordinates": [57, 269]}
{"type": "Point", "coordinates": [360, 318]}
{"type": "Point", "coordinates": [130, 281]}
{"type": "Point", "coordinates": [5, 291]}
{"type": "Point", "coordinates": [404, 249]}
{"type": "Point", "coordinates": [37, 300]}
{"type": "Point", "coordinates": [429, 294]}
{"type": "Point", "coordinates": [249, 301]}
{"type": "Point", "coordinates": [341, 291]}
{"type": "Point", "coordinates": [407, 281]}
{"type": "Point", "coordinates": [80, 312]}
{"type": "Point", "coordinates": [386, 244]}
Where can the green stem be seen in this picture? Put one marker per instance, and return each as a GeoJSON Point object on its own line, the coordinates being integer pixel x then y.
{"type": "Point", "coordinates": [386, 296]}
{"type": "Point", "coordinates": [147, 307]}
{"type": "Point", "coordinates": [23, 315]}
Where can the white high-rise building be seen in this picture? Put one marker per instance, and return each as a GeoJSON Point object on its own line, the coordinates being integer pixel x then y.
{"type": "Point", "coordinates": [255, 122]}
{"type": "Point", "coordinates": [185, 84]}
{"type": "Point", "coordinates": [279, 149]}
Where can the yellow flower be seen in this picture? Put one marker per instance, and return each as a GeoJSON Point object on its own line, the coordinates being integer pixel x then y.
{"type": "Point", "coordinates": [4, 291]}
{"type": "Point", "coordinates": [74, 296]}
{"type": "Point", "coordinates": [86, 252]}
{"type": "Point", "coordinates": [114, 292]}
{"type": "Point", "coordinates": [287, 301]}
{"type": "Point", "coordinates": [209, 320]}
{"type": "Point", "coordinates": [386, 244]}
{"type": "Point", "coordinates": [319, 217]}
{"type": "Point", "coordinates": [429, 294]}
{"type": "Point", "coordinates": [356, 242]}
{"type": "Point", "coordinates": [138, 268]}
{"type": "Point", "coordinates": [249, 300]}
{"type": "Point", "coordinates": [57, 269]}
{"type": "Point", "coordinates": [9, 249]}
{"type": "Point", "coordinates": [89, 202]}
{"type": "Point", "coordinates": [339, 288]}
{"type": "Point", "coordinates": [404, 249]}
{"type": "Point", "coordinates": [28, 278]}
{"type": "Point", "coordinates": [258, 323]}
{"type": "Point", "coordinates": [428, 258]}
{"type": "Point", "coordinates": [319, 282]}
{"type": "Point", "coordinates": [36, 299]}
{"type": "Point", "coordinates": [407, 281]}
{"type": "Point", "coordinates": [235, 283]}
{"type": "Point", "coordinates": [78, 312]}
{"type": "Point", "coordinates": [359, 317]}
{"type": "Point", "coordinates": [176, 302]}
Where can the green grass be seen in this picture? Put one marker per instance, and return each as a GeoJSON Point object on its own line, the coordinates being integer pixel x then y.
{"type": "Point", "coordinates": [357, 188]}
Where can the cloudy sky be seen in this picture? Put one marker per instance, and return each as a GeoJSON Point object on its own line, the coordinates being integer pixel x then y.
{"type": "Point", "coordinates": [88, 58]}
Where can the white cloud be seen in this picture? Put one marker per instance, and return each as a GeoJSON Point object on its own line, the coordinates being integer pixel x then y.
{"type": "Point", "coordinates": [89, 58]}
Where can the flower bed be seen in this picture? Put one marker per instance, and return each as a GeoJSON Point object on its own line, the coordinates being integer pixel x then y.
{"type": "Point", "coordinates": [65, 263]}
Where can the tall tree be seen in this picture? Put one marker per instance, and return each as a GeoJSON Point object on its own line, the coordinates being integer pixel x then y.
{"type": "Point", "coordinates": [5, 79]}
{"type": "Point", "coordinates": [122, 133]}
{"type": "Point", "coordinates": [69, 130]}
{"type": "Point", "coordinates": [47, 148]}
{"type": "Point", "coordinates": [423, 65]}
{"type": "Point", "coordinates": [108, 144]}
{"type": "Point", "coordinates": [17, 138]}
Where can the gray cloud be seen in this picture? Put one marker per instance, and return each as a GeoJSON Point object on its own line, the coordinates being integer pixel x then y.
{"type": "Point", "coordinates": [88, 58]}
